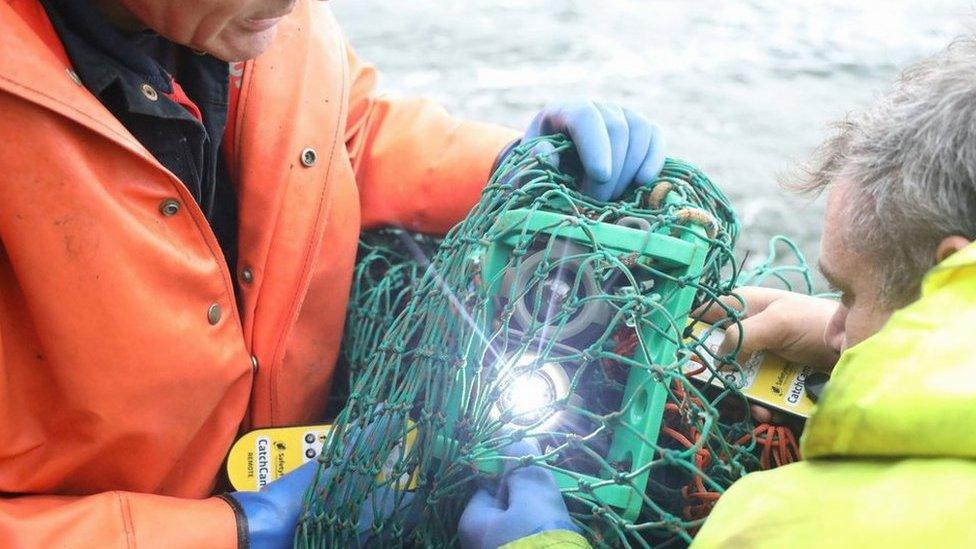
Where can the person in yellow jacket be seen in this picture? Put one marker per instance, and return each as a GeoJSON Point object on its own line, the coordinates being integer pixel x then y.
{"type": "Point", "coordinates": [182, 187]}
{"type": "Point", "coordinates": [890, 451]}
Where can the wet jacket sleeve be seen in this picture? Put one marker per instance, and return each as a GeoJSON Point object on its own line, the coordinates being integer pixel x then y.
{"type": "Point", "coordinates": [116, 519]}
{"type": "Point", "coordinates": [416, 166]}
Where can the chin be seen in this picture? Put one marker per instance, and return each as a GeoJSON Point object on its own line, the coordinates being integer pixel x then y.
{"type": "Point", "coordinates": [240, 46]}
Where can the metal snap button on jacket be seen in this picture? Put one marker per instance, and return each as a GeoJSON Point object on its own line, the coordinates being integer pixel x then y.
{"type": "Point", "coordinates": [169, 207]}
{"type": "Point", "coordinates": [213, 314]}
{"type": "Point", "coordinates": [309, 156]}
{"type": "Point", "coordinates": [149, 92]}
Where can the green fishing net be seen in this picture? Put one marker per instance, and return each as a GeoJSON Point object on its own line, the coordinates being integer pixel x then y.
{"type": "Point", "coordinates": [549, 316]}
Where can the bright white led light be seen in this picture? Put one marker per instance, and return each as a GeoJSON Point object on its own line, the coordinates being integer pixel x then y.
{"type": "Point", "coordinates": [532, 391]}
{"type": "Point", "coordinates": [528, 397]}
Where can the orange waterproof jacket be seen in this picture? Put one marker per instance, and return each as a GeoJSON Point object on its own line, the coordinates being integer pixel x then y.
{"type": "Point", "coordinates": [126, 364]}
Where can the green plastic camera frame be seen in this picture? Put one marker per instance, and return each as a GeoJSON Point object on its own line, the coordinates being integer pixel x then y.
{"type": "Point", "coordinates": [682, 256]}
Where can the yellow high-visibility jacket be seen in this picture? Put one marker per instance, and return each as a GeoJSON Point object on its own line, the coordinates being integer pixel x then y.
{"type": "Point", "coordinates": [891, 449]}
{"type": "Point", "coordinates": [552, 539]}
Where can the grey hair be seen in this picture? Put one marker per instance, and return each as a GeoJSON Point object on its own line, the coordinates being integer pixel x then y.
{"type": "Point", "coordinates": [911, 162]}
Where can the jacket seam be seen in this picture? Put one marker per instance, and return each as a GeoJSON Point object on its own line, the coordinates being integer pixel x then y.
{"type": "Point", "coordinates": [240, 113]}
{"type": "Point", "coordinates": [127, 525]}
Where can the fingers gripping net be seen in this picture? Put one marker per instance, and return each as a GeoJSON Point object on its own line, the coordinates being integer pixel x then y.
{"type": "Point", "coordinates": [544, 315]}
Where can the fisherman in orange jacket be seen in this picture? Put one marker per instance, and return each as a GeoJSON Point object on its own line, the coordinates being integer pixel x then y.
{"type": "Point", "coordinates": [176, 253]}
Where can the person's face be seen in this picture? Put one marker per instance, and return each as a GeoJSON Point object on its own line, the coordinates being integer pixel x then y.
{"type": "Point", "coordinates": [857, 277]}
{"type": "Point", "coordinates": [232, 30]}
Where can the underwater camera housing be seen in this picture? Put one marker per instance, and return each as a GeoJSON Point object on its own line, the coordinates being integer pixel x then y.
{"type": "Point", "coordinates": [581, 317]}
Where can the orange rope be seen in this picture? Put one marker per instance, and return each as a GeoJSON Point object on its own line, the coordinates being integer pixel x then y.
{"type": "Point", "coordinates": [778, 445]}
{"type": "Point", "coordinates": [698, 499]}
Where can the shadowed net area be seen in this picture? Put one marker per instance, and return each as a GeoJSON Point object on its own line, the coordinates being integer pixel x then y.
{"type": "Point", "coordinates": [547, 315]}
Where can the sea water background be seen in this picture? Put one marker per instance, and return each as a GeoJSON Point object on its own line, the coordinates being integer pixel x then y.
{"type": "Point", "coordinates": [744, 89]}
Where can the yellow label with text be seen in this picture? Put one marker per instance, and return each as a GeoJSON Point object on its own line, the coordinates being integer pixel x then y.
{"type": "Point", "coordinates": [265, 455]}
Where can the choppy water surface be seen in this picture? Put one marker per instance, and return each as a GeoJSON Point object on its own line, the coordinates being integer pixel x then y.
{"type": "Point", "coordinates": [743, 89]}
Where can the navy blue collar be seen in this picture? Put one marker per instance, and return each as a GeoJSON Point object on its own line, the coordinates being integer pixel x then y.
{"type": "Point", "coordinates": [99, 51]}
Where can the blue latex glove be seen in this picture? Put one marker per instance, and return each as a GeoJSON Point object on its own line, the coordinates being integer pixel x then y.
{"type": "Point", "coordinates": [616, 146]}
{"type": "Point", "coordinates": [525, 503]}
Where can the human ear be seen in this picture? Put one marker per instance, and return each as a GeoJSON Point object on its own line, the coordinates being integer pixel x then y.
{"type": "Point", "coordinates": [949, 246]}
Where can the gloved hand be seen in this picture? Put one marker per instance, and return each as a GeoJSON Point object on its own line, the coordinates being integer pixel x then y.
{"type": "Point", "coordinates": [526, 502]}
{"type": "Point", "coordinates": [616, 146]}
